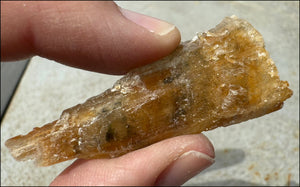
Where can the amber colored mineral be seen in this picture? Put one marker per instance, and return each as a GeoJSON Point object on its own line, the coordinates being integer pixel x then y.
{"type": "Point", "coordinates": [221, 77]}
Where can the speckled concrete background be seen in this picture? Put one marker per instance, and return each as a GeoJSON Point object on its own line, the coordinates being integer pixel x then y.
{"type": "Point", "coordinates": [264, 151]}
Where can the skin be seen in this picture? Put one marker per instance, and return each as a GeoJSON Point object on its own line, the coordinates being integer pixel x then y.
{"type": "Point", "coordinates": [102, 37]}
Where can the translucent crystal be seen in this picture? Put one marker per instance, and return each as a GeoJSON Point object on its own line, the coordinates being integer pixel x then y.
{"type": "Point", "coordinates": [221, 77]}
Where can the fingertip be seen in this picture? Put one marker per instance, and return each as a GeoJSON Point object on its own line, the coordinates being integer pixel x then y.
{"type": "Point", "coordinates": [198, 156]}
{"type": "Point", "coordinates": [151, 39]}
{"type": "Point", "coordinates": [165, 30]}
{"type": "Point", "coordinates": [184, 168]}
{"type": "Point", "coordinates": [170, 40]}
{"type": "Point", "coordinates": [172, 161]}
{"type": "Point", "coordinates": [94, 36]}
{"type": "Point", "coordinates": [207, 146]}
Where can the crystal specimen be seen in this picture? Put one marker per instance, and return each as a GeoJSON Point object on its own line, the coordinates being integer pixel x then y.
{"type": "Point", "coordinates": [221, 77]}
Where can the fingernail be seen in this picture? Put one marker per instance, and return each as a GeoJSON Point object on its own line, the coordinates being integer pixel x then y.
{"type": "Point", "coordinates": [152, 24]}
{"type": "Point", "coordinates": [185, 167]}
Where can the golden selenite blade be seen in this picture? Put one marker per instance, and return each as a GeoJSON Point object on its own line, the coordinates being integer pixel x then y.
{"type": "Point", "coordinates": [221, 77]}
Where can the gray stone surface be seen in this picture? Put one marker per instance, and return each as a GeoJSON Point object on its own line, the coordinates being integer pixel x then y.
{"type": "Point", "coordinates": [263, 151]}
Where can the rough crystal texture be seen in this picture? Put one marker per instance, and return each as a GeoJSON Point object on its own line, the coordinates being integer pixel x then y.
{"type": "Point", "coordinates": [221, 77]}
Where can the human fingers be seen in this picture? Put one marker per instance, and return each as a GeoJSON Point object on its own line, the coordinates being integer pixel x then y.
{"type": "Point", "coordinates": [169, 162]}
{"type": "Point", "coordinates": [96, 36]}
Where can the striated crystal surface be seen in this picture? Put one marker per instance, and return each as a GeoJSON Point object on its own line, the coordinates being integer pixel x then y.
{"type": "Point", "coordinates": [221, 77]}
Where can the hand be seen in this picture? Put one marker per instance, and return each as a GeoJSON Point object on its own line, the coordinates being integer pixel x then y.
{"type": "Point", "coordinates": [102, 37]}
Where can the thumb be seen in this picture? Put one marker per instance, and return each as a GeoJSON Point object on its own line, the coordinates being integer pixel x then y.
{"type": "Point", "coordinates": [96, 36]}
{"type": "Point", "coordinates": [169, 162]}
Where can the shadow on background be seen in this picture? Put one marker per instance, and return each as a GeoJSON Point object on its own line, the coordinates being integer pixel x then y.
{"type": "Point", "coordinates": [234, 182]}
{"type": "Point", "coordinates": [226, 158]}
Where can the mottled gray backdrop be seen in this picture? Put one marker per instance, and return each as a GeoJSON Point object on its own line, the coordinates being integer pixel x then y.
{"type": "Point", "coordinates": [264, 151]}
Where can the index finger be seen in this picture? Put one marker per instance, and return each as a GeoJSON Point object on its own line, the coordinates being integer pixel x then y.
{"type": "Point", "coordinates": [95, 36]}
